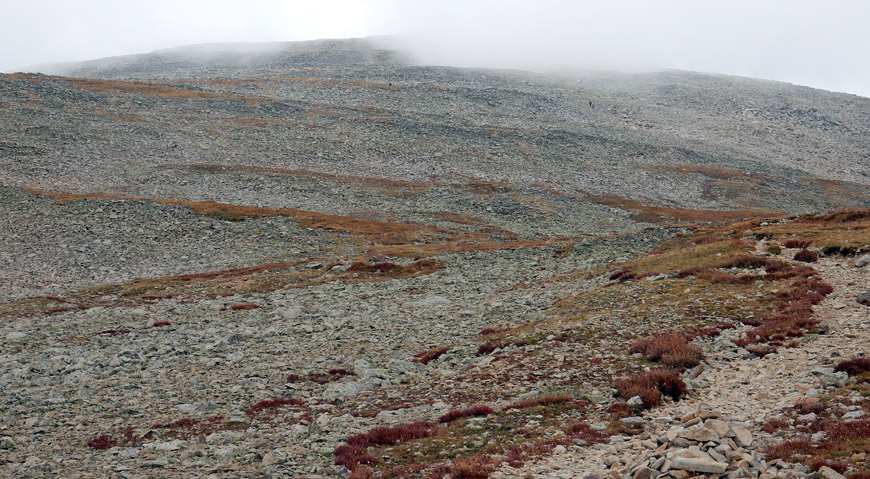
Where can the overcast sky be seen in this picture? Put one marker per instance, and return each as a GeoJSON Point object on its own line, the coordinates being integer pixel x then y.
{"type": "Point", "coordinates": [823, 43]}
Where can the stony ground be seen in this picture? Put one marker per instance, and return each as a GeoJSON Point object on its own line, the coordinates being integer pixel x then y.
{"type": "Point", "coordinates": [233, 266]}
{"type": "Point", "coordinates": [745, 393]}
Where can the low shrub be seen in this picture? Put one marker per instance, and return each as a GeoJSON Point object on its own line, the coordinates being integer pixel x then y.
{"type": "Point", "coordinates": [473, 467]}
{"type": "Point", "coordinates": [619, 409]}
{"type": "Point", "coordinates": [352, 456]}
{"type": "Point", "coordinates": [669, 349]}
{"type": "Point", "coordinates": [650, 386]}
{"type": "Point", "coordinates": [854, 366]}
{"type": "Point", "coordinates": [385, 435]}
{"type": "Point", "coordinates": [472, 411]}
{"type": "Point", "coordinates": [621, 275]}
{"type": "Point", "coordinates": [102, 441]}
{"type": "Point", "coordinates": [244, 306]}
{"type": "Point", "coordinates": [806, 256]}
{"type": "Point", "coordinates": [425, 357]}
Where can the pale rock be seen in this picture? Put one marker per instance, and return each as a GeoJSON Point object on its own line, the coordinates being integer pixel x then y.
{"type": "Point", "coordinates": [560, 449]}
{"type": "Point", "coordinates": [7, 443]}
{"type": "Point", "coordinates": [699, 433]}
{"type": "Point", "coordinates": [721, 428]}
{"type": "Point", "coordinates": [699, 465]}
{"type": "Point", "coordinates": [645, 473]}
{"type": "Point", "coordinates": [173, 445]}
{"type": "Point", "coordinates": [828, 473]}
{"type": "Point", "coordinates": [742, 436]}
{"type": "Point", "coordinates": [228, 452]}
{"type": "Point", "coordinates": [278, 456]}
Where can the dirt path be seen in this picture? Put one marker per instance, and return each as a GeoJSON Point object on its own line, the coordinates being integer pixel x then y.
{"type": "Point", "coordinates": [745, 392]}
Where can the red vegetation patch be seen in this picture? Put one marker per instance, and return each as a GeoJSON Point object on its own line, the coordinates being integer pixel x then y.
{"type": "Point", "coordinates": [544, 400]}
{"type": "Point", "coordinates": [489, 347]}
{"type": "Point", "coordinates": [354, 453]}
{"type": "Point", "coordinates": [102, 441]}
{"type": "Point", "coordinates": [182, 423]}
{"type": "Point", "coordinates": [806, 256]}
{"type": "Point", "coordinates": [854, 366]}
{"type": "Point", "coordinates": [670, 349]}
{"type": "Point", "coordinates": [384, 435]}
{"type": "Point", "coordinates": [330, 376]}
{"type": "Point", "coordinates": [271, 404]}
{"type": "Point", "coordinates": [364, 472]}
{"type": "Point", "coordinates": [473, 467]}
{"type": "Point", "coordinates": [622, 275]}
{"type": "Point", "coordinates": [472, 411]}
{"type": "Point", "coordinates": [843, 440]}
{"type": "Point", "coordinates": [351, 456]}
{"type": "Point", "coordinates": [619, 409]}
{"type": "Point", "coordinates": [650, 386]}
{"type": "Point", "coordinates": [244, 306]}
{"type": "Point", "coordinates": [425, 357]}
{"type": "Point", "coordinates": [160, 324]}
{"type": "Point", "coordinates": [794, 315]}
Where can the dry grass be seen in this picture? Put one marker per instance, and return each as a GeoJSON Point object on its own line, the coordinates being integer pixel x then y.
{"type": "Point", "coordinates": [841, 232]}
{"type": "Point", "coordinates": [257, 279]}
{"type": "Point", "coordinates": [714, 172]}
{"type": "Point", "coordinates": [155, 89]}
{"type": "Point", "coordinates": [664, 215]}
{"type": "Point", "coordinates": [650, 386]}
{"type": "Point", "coordinates": [669, 349]}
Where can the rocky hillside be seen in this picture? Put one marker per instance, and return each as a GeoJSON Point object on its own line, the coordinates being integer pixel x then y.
{"type": "Point", "coordinates": [319, 259]}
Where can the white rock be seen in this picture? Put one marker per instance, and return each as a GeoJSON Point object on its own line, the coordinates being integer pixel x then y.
{"type": "Point", "coordinates": [742, 436]}
{"type": "Point", "coordinates": [694, 464]}
{"type": "Point", "coordinates": [828, 473]}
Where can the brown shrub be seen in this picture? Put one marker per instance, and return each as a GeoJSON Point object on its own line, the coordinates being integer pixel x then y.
{"type": "Point", "coordinates": [102, 441]}
{"type": "Point", "coordinates": [364, 472]}
{"type": "Point", "coordinates": [854, 366]}
{"type": "Point", "coordinates": [774, 424]}
{"type": "Point", "coordinates": [244, 306]}
{"type": "Point", "coordinates": [650, 386]}
{"type": "Point", "coordinates": [544, 400]}
{"type": "Point", "coordinates": [806, 256]}
{"type": "Point", "coordinates": [384, 435]}
{"type": "Point", "coordinates": [425, 357]}
{"type": "Point", "coordinates": [619, 274]}
{"type": "Point", "coordinates": [352, 456]}
{"type": "Point", "coordinates": [472, 411]}
{"type": "Point", "coordinates": [670, 349]}
{"type": "Point", "coordinates": [619, 409]}
{"type": "Point", "coordinates": [473, 467]}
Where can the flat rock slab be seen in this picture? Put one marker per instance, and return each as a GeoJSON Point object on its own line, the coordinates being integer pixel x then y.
{"type": "Point", "coordinates": [694, 464]}
{"type": "Point", "coordinates": [699, 433]}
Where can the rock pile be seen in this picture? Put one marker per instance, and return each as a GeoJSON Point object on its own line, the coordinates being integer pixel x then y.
{"type": "Point", "coordinates": [702, 442]}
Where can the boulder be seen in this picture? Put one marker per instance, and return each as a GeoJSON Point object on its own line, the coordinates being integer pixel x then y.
{"type": "Point", "coordinates": [700, 434]}
{"type": "Point", "coordinates": [694, 464]}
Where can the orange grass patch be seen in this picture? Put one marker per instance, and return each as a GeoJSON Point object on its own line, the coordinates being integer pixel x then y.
{"type": "Point", "coordinates": [664, 215]}
{"type": "Point", "coordinates": [154, 89]}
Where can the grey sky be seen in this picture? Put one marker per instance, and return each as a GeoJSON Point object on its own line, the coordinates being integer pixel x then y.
{"type": "Point", "coordinates": [823, 44]}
